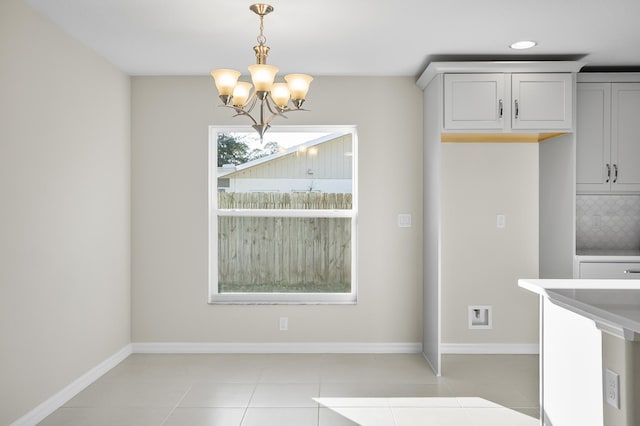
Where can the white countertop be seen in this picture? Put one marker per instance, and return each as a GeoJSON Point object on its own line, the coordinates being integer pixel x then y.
{"type": "Point", "coordinates": [614, 305]}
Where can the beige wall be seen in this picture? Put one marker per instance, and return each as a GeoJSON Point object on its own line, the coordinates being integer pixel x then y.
{"type": "Point", "coordinates": [64, 210]}
{"type": "Point", "coordinates": [623, 358]}
{"type": "Point", "coordinates": [480, 263]}
{"type": "Point", "coordinates": [170, 118]}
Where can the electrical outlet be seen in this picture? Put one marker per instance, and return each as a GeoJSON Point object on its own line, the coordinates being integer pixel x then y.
{"type": "Point", "coordinates": [612, 388]}
{"type": "Point", "coordinates": [284, 323]}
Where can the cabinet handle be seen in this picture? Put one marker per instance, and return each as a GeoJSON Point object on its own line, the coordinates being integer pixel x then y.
{"type": "Point", "coordinates": [608, 173]}
{"type": "Point", "coordinates": [615, 173]}
{"type": "Point", "coordinates": [631, 271]}
{"type": "Point", "coordinates": [500, 108]}
{"type": "Point", "coordinates": [517, 108]}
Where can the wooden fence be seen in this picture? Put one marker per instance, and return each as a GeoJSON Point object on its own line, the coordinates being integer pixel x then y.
{"type": "Point", "coordinates": [277, 200]}
{"type": "Point", "coordinates": [284, 254]}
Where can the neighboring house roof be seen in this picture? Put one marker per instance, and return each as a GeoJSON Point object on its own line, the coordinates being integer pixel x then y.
{"type": "Point", "coordinates": [230, 171]}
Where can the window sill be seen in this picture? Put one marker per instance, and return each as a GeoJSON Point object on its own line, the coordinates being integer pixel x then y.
{"type": "Point", "coordinates": [283, 299]}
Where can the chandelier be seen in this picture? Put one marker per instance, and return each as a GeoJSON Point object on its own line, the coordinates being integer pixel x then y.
{"type": "Point", "coordinates": [271, 99]}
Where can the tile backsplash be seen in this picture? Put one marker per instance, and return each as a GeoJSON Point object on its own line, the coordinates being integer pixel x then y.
{"type": "Point", "coordinates": [609, 222]}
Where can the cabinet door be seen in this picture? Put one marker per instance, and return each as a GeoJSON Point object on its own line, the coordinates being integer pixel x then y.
{"type": "Point", "coordinates": [593, 137]}
{"type": "Point", "coordinates": [625, 137]}
{"type": "Point", "coordinates": [613, 271]}
{"type": "Point", "coordinates": [474, 101]}
{"type": "Point", "coordinates": [541, 101]}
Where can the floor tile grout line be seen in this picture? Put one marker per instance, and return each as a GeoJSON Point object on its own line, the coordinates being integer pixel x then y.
{"type": "Point", "coordinates": [246, 408]}
{"type": "Point", "coordinates": [393, 416]}
{"type": "Point", "coordinates": [178, 403]}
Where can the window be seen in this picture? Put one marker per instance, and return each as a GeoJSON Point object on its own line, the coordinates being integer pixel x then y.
{"type": "Point", "coordinates": [283, 215]}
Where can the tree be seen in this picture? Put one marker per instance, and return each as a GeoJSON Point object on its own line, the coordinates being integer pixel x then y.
{"type": "Point", "coordinates": [231, 150]}
{"type": "Point", "coordinates": [235, 150]}
{"type": "Point", "coordinates": [269, 149]}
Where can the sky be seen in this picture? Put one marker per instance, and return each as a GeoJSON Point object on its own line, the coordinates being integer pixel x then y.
{"type": "Point", "coordinates": [284, 139]}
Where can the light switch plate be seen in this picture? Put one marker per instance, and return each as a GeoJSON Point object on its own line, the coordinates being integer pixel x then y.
{"type": "Point", "coordinates": [501, 221]}
{"type": "Point", "coordinates": [284, 323]}
{"type": "Point", "coordinates": [404, 220]}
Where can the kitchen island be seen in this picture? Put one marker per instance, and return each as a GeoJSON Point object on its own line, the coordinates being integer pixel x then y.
{"type": "Point", "coordinates": [589, 336]}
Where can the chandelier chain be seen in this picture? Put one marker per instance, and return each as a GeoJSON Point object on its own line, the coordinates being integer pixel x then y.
{"type": "Point", "coordinates": [261, 38]}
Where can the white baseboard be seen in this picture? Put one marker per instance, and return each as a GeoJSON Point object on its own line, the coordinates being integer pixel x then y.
{"type": "Point", "coordinates": [490, 348]}
{"type": "Point", "coordinates": [56, 401]}
{"type": "Point", "coordinates": [436, 371]}
{"type": "Point", "coordinates": [277, 348]}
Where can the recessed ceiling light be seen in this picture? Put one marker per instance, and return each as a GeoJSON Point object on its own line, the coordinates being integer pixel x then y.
{"type": "Point", "coordinates": [523, 44]}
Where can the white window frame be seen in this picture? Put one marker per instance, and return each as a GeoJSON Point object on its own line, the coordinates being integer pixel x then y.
{"type": "Point", "coordinates": [215, 297]}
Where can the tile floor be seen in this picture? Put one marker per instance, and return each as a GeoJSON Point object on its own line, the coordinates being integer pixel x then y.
{"type": "Point", "coordinates": [305, 390]}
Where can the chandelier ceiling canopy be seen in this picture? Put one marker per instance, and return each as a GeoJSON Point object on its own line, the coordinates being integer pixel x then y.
{"type": "Point", "coordinates": [271, 99]}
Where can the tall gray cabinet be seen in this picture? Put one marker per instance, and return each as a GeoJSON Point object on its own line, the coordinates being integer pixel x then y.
{"type": "Point", "coordinates": [494, 103]}
{"type": "Point", "coordinates": [608, 176]}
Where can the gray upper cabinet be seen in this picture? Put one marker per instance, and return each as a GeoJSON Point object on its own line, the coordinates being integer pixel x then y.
{"type": "Point", "coordinates": [625, 137]}
{"type": "Point", "coordinates": [593, 131]}
{"type": "Point", "coordinates": [474, 101]}
{"type": "Point", "coordinates": [542, 101]}
{"type": "Point", "coordinates": [504, 102]}
{"type": "Point", "coordinates": [608, 138]}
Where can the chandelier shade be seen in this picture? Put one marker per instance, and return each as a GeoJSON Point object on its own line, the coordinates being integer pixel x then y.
{"type": "Point", "coordinates": [226, 81]}
{"type": "Point", "coordinates": [262, 76]}
{"type": "Point", "coordinates": [271, 99]}
{"type": "Point", "coordinates": [280, 94]}
{"type": "Point", "coordinates": [241, 93]}
{"type": "Point", "coordinates": [298, 85]}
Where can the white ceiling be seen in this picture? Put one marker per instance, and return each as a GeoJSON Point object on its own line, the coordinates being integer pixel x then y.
{"type": "Point", "coordinates": [346, 37]}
